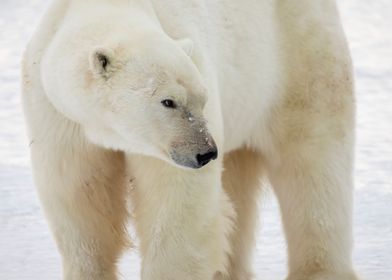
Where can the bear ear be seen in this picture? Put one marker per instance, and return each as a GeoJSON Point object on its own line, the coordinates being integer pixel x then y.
{"type": "Point", "coordinates": [101, 60]}
{"type": "Point", "coordinates": [187, 45]}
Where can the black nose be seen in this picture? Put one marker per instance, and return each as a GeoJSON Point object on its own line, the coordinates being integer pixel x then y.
{"type": "Point", "coordinates": [203, 159]}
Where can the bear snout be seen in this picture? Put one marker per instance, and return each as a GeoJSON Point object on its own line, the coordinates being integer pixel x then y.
{"type": "Point", "coordinates": [194, 154]}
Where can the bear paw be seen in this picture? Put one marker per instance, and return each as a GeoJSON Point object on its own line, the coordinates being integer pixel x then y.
{"type": "Point", "coordinates": [234, 276]}
{"type": "Point", "coordinates": [324, 276]}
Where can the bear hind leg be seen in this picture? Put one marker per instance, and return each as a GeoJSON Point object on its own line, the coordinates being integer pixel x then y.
{"type": "Point", "coordinates": [242, 182]}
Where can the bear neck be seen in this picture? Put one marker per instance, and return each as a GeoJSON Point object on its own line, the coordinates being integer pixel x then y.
{"type": "Point", "coordinates": [144, 6]}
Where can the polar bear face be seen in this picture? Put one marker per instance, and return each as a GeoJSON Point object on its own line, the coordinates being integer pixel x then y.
{"type": "Point", "coordinates": [141, 98]}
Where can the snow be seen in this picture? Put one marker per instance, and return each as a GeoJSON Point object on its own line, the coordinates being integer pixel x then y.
{"type": "Point", "coordinates": [27, 249]}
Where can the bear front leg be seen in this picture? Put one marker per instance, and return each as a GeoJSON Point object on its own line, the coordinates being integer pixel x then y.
{"type": "Point", "coordinates": [82, 191]}
{"type": "Point", "coordinates": [313, 183]}
{"type": "Point", "coordinates": [182, 218]}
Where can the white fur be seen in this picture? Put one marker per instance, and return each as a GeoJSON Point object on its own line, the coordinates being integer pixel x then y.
{"type": "Point", "coordinates": [268, 82]}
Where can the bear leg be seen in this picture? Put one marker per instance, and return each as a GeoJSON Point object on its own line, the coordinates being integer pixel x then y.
{"type": "Point", "coordinates": [183, 218]}
{"type": "Point", "coordinates": [314, 188]}
{"type": "Point", "coordinates": [82, 189]}
{"type": "Point", "coordinates": [242, 181]}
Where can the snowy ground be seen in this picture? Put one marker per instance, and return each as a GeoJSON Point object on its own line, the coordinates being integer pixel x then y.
{"type": "Point", "coordinates": [27, 250]}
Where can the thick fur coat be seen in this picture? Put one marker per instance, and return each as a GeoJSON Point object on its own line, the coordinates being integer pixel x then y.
{"type": "Point", "coordinates": [184, 106]}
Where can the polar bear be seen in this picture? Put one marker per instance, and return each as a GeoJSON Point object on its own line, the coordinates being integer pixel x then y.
{"type": "Point", "coordinates": [184, 107]}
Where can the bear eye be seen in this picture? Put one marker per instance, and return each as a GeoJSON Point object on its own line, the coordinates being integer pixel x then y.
{"type": "Point", "coordinates": [168, 103]}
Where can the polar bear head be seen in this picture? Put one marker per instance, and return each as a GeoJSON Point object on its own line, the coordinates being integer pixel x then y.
{"type": "Point", "coordinates": [140, 95]}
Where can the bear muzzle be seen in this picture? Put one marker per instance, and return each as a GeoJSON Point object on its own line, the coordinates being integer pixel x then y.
{"type": "Point", "coordinates": [194, 154]}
